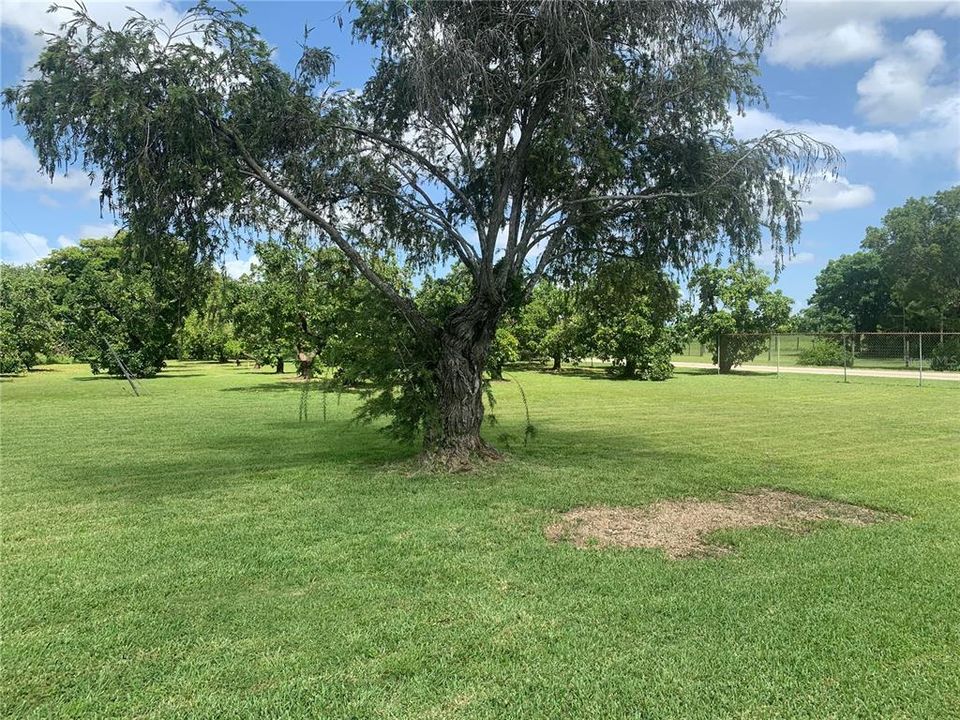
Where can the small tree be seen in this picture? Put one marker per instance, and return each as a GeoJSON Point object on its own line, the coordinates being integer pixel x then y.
{"type": "Point", "coordinates": [737, 312]}
{"type": "Point", "coordinates": [208, 332]}
{"type": "Point", "coordinates": [504, 349]}
{"type": "Point", "coordinates": [627, 309]}
{"type": "Point", "coordinates": [549, 326]}
{"type": "Point", "coordinates": [28, 322]}
{"type": "Point", "coordinates": [118, 307]}
{"type": "Point", "coordinates": [294, 299]}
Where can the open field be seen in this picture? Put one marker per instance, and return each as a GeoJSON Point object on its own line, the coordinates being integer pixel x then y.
{"type": "Point", "coordinates": [903, 375]}
{"type": "Point", "coordinates": [875, 351]}
{"type": "Point", "coordinates": [199, 552]}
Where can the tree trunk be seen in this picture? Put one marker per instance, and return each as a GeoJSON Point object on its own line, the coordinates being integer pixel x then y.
{"type": "Point", "coordinates": [496, 372]}
{"type": "Point", "coordinates": [464, 341]}
{"type": "Point", "coordinates": [279, 363]}
{"type": "Point", "coordinates": [630, 368]}
{"type": "Point", "coordinates": [726, 362]}
{"type": "Point", "coordinates": [556, 363]}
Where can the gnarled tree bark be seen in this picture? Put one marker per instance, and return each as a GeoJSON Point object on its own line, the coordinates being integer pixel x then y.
{"type": "Point", "coordinates": [463, 344]}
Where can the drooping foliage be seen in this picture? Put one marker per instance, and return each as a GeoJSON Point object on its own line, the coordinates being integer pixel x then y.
{"type": "Point", "coordinates": [514, 138]}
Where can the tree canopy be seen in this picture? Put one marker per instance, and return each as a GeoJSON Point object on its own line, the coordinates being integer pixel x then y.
{"type": "Point", "coordinates": [29, 326]}
{"type": "Point", "coordinates": [918, 249]}
{"type": "Point", "coordinates": [852, 295]}
{"type": "Point", "coordinates": [906, 276]}
{"type": "Point", "coordinates": [737, 311]}
{"type": "Point", "coordinates": [518, 139]}
{"type": "Point", "coordinates": [118, 308]}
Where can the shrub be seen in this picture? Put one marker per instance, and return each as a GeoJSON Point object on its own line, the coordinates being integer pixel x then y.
{"type": "Point", "coordinates": [825, 352]}
{"type": "Point", "coordinates": [946, 355]}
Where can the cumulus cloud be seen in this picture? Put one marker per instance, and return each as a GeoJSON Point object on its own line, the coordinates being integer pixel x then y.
{"type": "Point", "coordinates": [21, 248]}
{"type": "Point", "coordinates": [18, 248]}
{"type": "Point", "coordinates": [831, 193]}
{"type": "Point", "coordinates": [831, 33]}
{"type": "Point", "coordinates": [755, 123]}
{"type": "Point", "coordinates": [236, 268]}
{"type": "Point", "coordinates": [98, 231]}
{"type": "Point", "coordinates": [937, 133]}
{"type": "Point", "coordinates": [23, 19]}
{"type": "Point", "coordinates": [853, 40]}
{"type": "Point", "coordinates": [934, 134]}
{"type": "Point", "coordinates": [898, 87]}
{"type": "Point", "coordinates": [768, 259]}
{"type": "Point", "coordinates": [20, 170]}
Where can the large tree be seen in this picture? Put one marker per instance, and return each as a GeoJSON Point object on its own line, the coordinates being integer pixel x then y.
{"type": "Point", "coordinates": [852, 295]}
{"type": "Point", "coordinates": [918, 248]}
{"type": "Point", "coordinates": [517, 138]}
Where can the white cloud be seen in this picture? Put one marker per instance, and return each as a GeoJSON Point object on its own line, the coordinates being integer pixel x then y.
{"type": "Point", "coordinates": [21, 20]}
{"type": "Point", "coordinates": [20, 248]}
{"type": "Point", "coordinates": [831, 33]}
{"type": "Point", "coordinates": [898, 88]}
{"type": "Point", "coordinates": [769, 259]}
{"type": "Point", "coordinates": [831, 193]}
{"type": "Point", "coordinates": [20, 170]}
{"type": "Point", "coordinates": [935, 134]}
{"type": "Point", "coordinates": [98, 231]}
{"type": "Point", "coordinates": [846, 139]}
{"type": "Point", "coordinates": [827, 45]}
{"type": "Point", "coordinates": [235, 268]}
{"type": "Point", "coordinates": [938, 132]}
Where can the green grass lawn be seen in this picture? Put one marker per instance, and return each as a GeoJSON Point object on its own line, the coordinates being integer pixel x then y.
{"type": "Point", "coordinates": [199, 552]}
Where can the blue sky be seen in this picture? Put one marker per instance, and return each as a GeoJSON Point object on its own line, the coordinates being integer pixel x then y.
{"type": "Point", "coordinates": [880, 80]}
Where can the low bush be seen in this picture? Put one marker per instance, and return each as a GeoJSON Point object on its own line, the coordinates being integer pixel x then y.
{"type": "Point", "coordinates": [946, 355]}
{"type": "Point", "coordinates": [825, 352]}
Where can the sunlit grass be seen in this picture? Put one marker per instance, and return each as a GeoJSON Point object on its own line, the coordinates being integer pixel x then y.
{"type": "Point", "coordinates": [200, 552]}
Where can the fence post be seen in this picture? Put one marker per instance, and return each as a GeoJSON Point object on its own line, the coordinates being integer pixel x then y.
{"type": "Point", "coordinates": [920, 341]}
{"type": "Point", "coordinates": [844, 357]}
{"type": "Point", "coordinates": [778, 354]}
{"type": "Point", "coordinates": [719, 350]}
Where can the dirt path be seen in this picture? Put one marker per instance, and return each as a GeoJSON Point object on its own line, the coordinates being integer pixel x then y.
{"type": "Point", "coordinates": [851, 372]}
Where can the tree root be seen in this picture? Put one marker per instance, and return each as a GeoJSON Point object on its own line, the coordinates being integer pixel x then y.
{"type": "Point", "coordinates": [460, 455]}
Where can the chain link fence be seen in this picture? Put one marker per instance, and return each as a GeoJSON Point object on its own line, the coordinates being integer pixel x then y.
{"type": "Point", "coordinates": [917, 357]}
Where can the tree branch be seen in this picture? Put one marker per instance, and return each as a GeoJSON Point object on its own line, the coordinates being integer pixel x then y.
{"type": "Point", "coordinates": [405, 305]}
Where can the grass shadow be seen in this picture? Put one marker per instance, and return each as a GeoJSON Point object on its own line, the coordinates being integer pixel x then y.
{"type": "Point", "coordinates": [168, 376]}
{"type": "Point", "coordinates": [291, 385]}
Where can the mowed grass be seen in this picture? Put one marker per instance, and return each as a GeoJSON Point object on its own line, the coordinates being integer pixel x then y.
{"type": "Point", "coordinates": [200, 552]}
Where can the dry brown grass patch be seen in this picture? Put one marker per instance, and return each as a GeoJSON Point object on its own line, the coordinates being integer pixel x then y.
{"type": "Point", "coordinates": [681, 527]}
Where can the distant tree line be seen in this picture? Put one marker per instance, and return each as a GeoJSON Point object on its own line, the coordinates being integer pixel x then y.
{"type": "Point", "coordinates": [906, 276]}
{"type": "Point", "coordinates": [103, 302]}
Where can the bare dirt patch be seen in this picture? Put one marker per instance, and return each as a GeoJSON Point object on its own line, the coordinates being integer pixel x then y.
{"type": "Point", "coordinates": [681, 527]}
